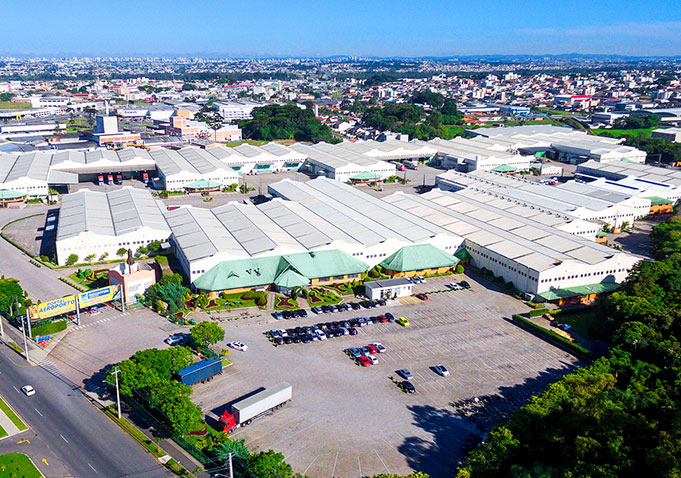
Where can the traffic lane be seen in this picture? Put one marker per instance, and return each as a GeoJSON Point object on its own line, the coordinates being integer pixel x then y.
{"type": "Point", "coordinates": [29, 443]}
{"type": "Point", "coordinates": [85, 440]}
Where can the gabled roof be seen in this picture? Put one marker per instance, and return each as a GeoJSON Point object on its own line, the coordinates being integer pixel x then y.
{"type": "Point", "coordinates": [418, 257]}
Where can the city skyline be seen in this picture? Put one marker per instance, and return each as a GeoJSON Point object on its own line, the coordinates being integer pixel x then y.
{"type": "Point", "coordinates": [383, 29]}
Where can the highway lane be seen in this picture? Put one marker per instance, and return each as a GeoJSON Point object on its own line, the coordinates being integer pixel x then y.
{"type": "Point", "coordinates": [86, 442]}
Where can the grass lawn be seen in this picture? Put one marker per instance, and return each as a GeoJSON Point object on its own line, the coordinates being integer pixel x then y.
{"type": "Point", "coordinates": [12, 416]}
{"type": "Point", "coordinates": [8, 105]}
{"type": "Point", "coordinates": [618, 133]}
{"type": "Point", "coordinates": [581, 320]}
{"type": "Point", "coordinates": [18, 465]}
{"type": "Point", "coordinates": [252, 142]}
{"type": "Point", "coordinates": [3, 433]}
{"type": "Point", "coordinates": [230, 301]}
{"type": "Point", "coordinates": [453, 130]}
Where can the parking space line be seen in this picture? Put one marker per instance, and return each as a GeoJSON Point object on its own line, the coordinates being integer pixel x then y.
{"type": "Point", "coordinates": [379, 457]}
{"type": "Point", "coordinates": [360, 467]}
{"type": "Point", "coordinates": [333, 472]}
{"type": "Point", "coordinates": [308, 466]}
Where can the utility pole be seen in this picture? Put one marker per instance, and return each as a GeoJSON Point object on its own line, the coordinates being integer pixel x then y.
{"type": "Point", "coordinates": [28, 322]}
{"type": "Point", "coordinates": [118, 397]}
{"type": "Point", "coordinates": [25, 344]}
{"type": "Point", "coordinates": [231, 472]}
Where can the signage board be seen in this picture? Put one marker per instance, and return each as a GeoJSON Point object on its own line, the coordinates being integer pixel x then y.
{"type": "Point", "coordinates": [97, 296]}
{"type": "Point", "coordinates": [56, 307]}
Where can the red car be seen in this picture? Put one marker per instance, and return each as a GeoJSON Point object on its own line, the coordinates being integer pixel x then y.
{"type": "Point", "coordinates": [422, 296]}
{"type": "Point", "coordinates": [372, 349]}
{"type": "Point", "coordinates": [364, 361]}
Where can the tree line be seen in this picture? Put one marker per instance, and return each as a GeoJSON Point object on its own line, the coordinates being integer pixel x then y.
{"type": "Point", "coordinates": [620, 416]}
{"type": "Point", "coordinates": [274, 122]}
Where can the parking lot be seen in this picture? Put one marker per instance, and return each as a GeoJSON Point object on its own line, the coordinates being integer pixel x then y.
{"type": "Point", "coordinates": [346, 420]}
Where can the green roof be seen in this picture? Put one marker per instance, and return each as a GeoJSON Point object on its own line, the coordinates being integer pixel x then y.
{"type": "Point", "coordinates": [599, 288]}
{"type": "Point", "coordinates": [203, 184]}
{"type": "Point", "coordinates": [365, 176]}
{"type": "Point", "coordinates": [659, 201]}
{"type": "Point", "coordinates": [463, 254]}
{"type": "Point", "coordinates": [418, 257]}
{"type": "Point", "coordinates": [290, 279]}
{"type": "Point", "coordinates": [290, 270]}
{"type": "Point", "coordinates": [603, 234]}
{"type": "Point", "coordinates": [6, 194]}
{"type": "Point", "coordinates": [504, 168]}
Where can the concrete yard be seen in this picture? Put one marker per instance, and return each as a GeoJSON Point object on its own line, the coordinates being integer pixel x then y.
{"type": "Point", "coordinates": [345, 420]}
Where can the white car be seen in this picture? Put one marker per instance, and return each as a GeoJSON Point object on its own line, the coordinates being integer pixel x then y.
{"type": "Point", "coordinates": [379, 346]}
{"type": "Point", "coordinates": [442, 370]}
{"type": "Point", "coordinates": [454, 286]}
{"type": "Point", "coordinates": [321, 335]}
{"type": "Point", "coordinates": [373, 359]}
{"type": "Point", "coordinates": [239, 346]}
{"type": "Point", "coordinates": [28, 390]}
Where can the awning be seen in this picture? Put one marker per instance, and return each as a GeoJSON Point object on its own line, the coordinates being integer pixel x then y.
{"type": "Point", "coordinates": [578, 291]}
{"type": "Point", "coordinates": [504, 168]}
{"type": "Point", "coordinates": [659, 201]}
{"type": "Point", "coordinates": [203, 184]}
{"type": "Point", "coordinates": [366, 176]}
{"type": "Point", "coordinates": [8, 194]}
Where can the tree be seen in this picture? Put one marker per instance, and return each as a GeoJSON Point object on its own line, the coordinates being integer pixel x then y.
{"type": "Point", "coordinates": [121, 252]}
{"type": "Point", "coordinates": [154, 246]}
{"type": "Point", "coordinates": [103, 256]}
{"type": "Point", "coordinates": [182, 414]}
{"type": "Point", "coordinates": [89, 258]}
{"type": "Point", "coordinates": [207, 333]}
{"type": "Point", "coordinates": [202, 300]}
{"type": "Point", "coordinates": [72, 259]}
{"type": "Point", "coordinates": [270, 464]}
{"type": "Point", "coordinates": [235, 447]}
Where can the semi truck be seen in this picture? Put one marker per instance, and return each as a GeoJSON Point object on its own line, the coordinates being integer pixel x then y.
{"type": "Point", "coordinates": [245, 411]}
{"type": "Point", "coordinates": [200, 371]}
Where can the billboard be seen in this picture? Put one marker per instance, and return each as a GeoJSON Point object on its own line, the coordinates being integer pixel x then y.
{"type": "Point", "coordinates": [56, 307]}
{"type": "Point", "coordinates": [97, 296]}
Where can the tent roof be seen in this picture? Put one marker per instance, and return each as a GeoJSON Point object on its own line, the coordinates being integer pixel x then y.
{"type": "Point", "coordinates": [599, 288]}
{"type": "Point", "coordinates": [365, 176]}
{"type": "Point", "coordinates": [418, 257]}
{"type": "Point", "coordinates": [504, 168]}
{"type": "Point", "coordinates": [203, 184]}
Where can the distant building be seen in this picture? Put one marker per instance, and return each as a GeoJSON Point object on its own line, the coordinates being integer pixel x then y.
{"type": "Point", "coordinates": [106, 132]}
{"type": "Point", "coordinates": [187, 129]}
{"type": "Point", "coordinates": [133, 277]}
{"type": "Point", "coordinates": [670, 134]}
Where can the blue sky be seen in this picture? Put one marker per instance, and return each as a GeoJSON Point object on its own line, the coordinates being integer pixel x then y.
{"type": "Point", "coordinates": [321, 28]}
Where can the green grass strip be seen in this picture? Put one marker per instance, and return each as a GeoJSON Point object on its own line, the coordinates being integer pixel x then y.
{"type": "Point", "coordinates": [551, 336]}
{"type": "Point", "coordinates": [12, 416]}
{"type": "Point", "coordinates": [19, 465]}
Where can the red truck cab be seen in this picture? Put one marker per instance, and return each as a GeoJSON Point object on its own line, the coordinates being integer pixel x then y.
{"type": "Point", "coordinates": [109, 179]}
{"type": "Point", "coordinates": [229, 420]}
{"type": "Point", "coordinates": [100, 179]}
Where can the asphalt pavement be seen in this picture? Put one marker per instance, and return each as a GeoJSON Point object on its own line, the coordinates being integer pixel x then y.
{"type": "Point", "coordinates": [68, 436]}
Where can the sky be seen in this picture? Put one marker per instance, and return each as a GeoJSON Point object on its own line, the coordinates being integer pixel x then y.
{"type": "Point", "coordinates": [407, 28]}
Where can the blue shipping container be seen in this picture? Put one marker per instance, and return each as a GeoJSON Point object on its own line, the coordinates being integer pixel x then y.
{"type": "Point", "coordinates": [200, 371]}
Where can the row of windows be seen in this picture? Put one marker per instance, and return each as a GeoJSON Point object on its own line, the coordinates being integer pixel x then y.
{"type": "Point", "coordinates": [120, 244]}
{"type": "Point", "coordinates": [586, 274]}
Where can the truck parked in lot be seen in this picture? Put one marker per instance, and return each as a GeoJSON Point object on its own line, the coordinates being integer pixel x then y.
{"type": "Point", "coordinates": [200, 371]}
{"type": "Point", "coordinates": [245, 411]}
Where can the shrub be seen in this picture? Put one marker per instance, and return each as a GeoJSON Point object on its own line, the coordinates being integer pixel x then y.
{"type": "Point", "coordinates": [72, 259]}
{"type": "Point", "coordinates": [458, 269]}
{"type": "Point", "coordinates": [258, 296]}
{"type": "Point", "coordinates": [538, 312]}
{"type": "Point", "coordinates": [49, 329]}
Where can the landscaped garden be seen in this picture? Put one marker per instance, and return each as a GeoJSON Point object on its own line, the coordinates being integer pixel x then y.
{"type": "Point", "coordinates": [281, 302]}
{"type": "Point", "coordinates": [91, 279]}
{"type": "Point", "coordinates": [317, 297]}
{"type": "Point", "coordinates": [19, 465]}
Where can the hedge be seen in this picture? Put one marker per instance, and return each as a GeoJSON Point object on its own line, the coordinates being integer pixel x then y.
{"type": "Point", "coordinates": [538, 312]}
{"type": "Point", "coordinates": [553, 337]}
{"type": "Point", "coordinates": [49, 329]}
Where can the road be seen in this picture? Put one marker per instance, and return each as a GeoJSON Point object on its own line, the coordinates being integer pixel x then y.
{"type": "Point", "coordinates": [65, 425]}
{"type": "Point", "coordinates": [16, 264]}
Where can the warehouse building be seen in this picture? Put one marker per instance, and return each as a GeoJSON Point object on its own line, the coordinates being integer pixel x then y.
{"type": "Point", "coordinates": [101, 223]}
{"type": "Point", "coordinates": [468, 155]}
{"type": "Point", "coordinates": [670, 134]}
{"type": "Point", "coordinates": [270, 157]}
{"type": "Point", "coordinates": [544, 197]}
{"type": "Point", "coordinates": [341, 164]}
{"type": "Point", "coordinates": [565, 144]}
{"type": "Point", "coordinates": [391, 149]}
{"type": "Point", "coordinates": [534, 257]}
{"type": "Point", "coordinates": [189, 167]}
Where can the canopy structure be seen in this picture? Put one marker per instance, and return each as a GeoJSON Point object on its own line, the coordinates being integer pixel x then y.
{"type": "Point", "coordinates": [418, 257]}
{"type": "Point", "coordinates": [578, 291]}
{"type": "Point", "coordinates": [365, 177]}
{"type": "Point", "coordinates": [9, 195]}
{"type": "Point", "coordinates": [203, 185]}
{"type": "Point", "coordinates": [504, 168]}
{"type": "Point", "coordinates": [463, 254]}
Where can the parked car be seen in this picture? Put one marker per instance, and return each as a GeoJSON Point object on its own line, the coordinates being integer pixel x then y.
{"type": "Point", "coordinates": [321, 335]}
{"type": "Point", "coordinates": [379, 347]}
{"type": "Point", "coordinates": [28, 390]}
{"type": "Point", "coordinates": [288, 340]}
{"type": "Point", "coordinates": [239, 346]}
{"type": "Point", "coordinates": [278, 315]}
{"type": "Point", "coordinates": [403, 322]}
{"type": "Point", "coordinates": [391, 317]}
{"type": "Point", "coordinates": [373, 359]}
{"type": "Point", "coordinates": [565, 327]}
{"type": "Point", "coordinates": [404, 373]}
{"type": "Point", "coordinates": [422, 296]}
{"type": "Point", "coordinates": [381, 302]}
{"type": "Point", "coordinates": [333, 307]}
{"type": "Point", "coordinates": [303, 313]}
{"type": "Point", "coordinates": [441, 370]}
{"type": "Point", "coordinates": [175, 339]}
{"type": "Point", "coordinates": [326, 309]}
{"type": "Point", "coordinates": [364, 361]}
{"type": "Point", "coordinates": [317, 310]}
{"type": "Point", "coordinates": [353, 331]}
{"type": "Point", "coordinates": [354, 352]}
{"type": "Point", "coordinates": [465, 284]}
{"type": "Point", "coordinates": [372, 349]}
{"type": "Point", "coordinates": [454, 286]}
{"type": "Point", "coordinates": [283, 333]}
{"type": "Point", "coordinates": [345, 330]}
{"type": "Point", "coordinates": [355, 305]}
{"type": "Point", "coordinates": [407, 387]}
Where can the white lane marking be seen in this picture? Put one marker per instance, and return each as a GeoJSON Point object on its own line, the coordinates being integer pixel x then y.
{"type": "Point", "coordinates": [38, 412]}
{"type": "Point", "coordinates": [308, 466]}
{"type": "Point", "coordinates": [93, 468]}
{"type": "Point", "coordinates": [62, 437]}
{"type": "Point", "coordinates": [379, 457]}
{"type": "Point", "coordinates": [334, 464]}
{"type": "Point", "coordinates": [15, 388]}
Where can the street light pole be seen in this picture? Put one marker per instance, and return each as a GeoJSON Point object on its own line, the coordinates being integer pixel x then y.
{"type": "Point", "coordinates": [118, 397]}
{"type": "Point", "coordinates": [25, 344]}
{"type": "Point", "coordinates": [231, 472]}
